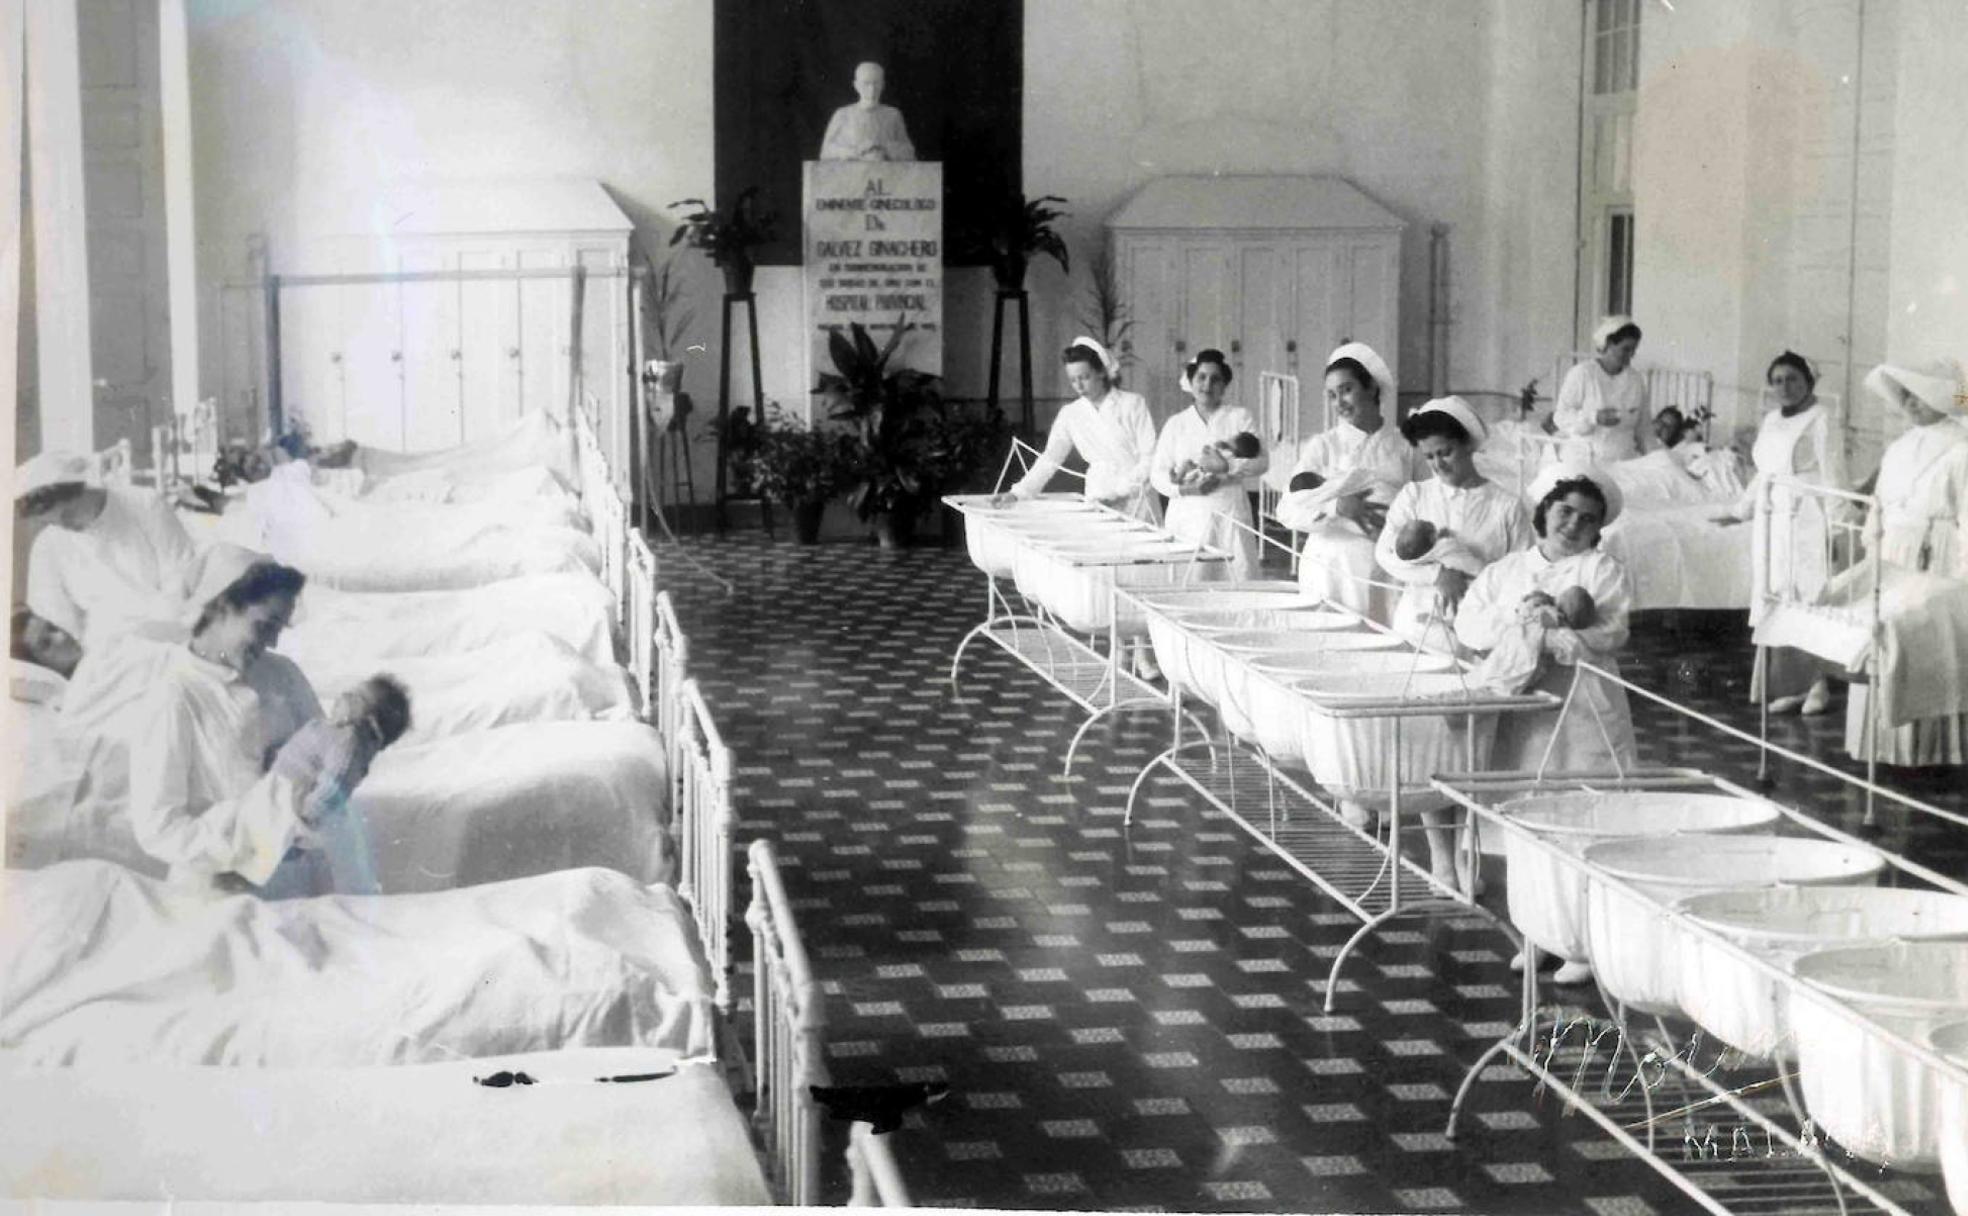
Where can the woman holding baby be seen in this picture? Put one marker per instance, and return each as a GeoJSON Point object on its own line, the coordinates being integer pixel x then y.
{"type": "Point", "coordinates": [235, 782]}
{"type": "Point", "coordinates": [1346, 477]}
{"type": "Point", "coordinates": [1207, 461]}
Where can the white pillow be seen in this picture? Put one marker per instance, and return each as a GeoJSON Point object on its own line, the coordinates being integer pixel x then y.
{"type": "Point", "coordinates": [33, 683]}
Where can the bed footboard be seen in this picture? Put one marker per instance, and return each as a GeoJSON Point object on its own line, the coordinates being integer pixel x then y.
{"type": "Point", "coordinates": [789, 1016]}
{"type": "Point", "coordinates": [705, 822]}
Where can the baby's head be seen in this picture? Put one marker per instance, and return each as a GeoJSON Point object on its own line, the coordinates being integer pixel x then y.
{"type": "Point", "coordinates": [1415, 539]}
{"type": "Point", "coordinates": [1305, 481]}
{"type": "Point", "coordinates": [1576, 605]}
{"type": "Point", "coordinates": [1243, 445]}
{"type": "Point", "coordinates": [1212, 459]}
{"type": "Point", "coordinates": [378, 706]}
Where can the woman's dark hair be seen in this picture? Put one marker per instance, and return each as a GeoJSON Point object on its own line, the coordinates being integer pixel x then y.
{"type": "Point", "coordinates": [1210, 354]}
{"type": "Point", "coordinates": [1358, 370]}
{"type": "Point", "coordinates": [392, 708]}
{"type": "Point", "coordinates": [293, 443]}
{"type": "Point", "coordinates": [1628, 330]}
{"type": "Point", "coordinates": [17, 640]}
{"type": "Point", "coordinates": [1791, 358]}
{"type": "Point", "coordinates": [48, 498]}
{"type": "Point", "coordinates": [1569, 486]}
{"type": "Point", "coordinates": [1076, 353]}
{"type": "Point", "coordinates": [1420, 425]}
{"type": "Point", "coordinates": [262, 581]}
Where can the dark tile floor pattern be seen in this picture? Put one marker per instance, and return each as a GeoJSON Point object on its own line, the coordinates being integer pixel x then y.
{"type": "Point", "coordinates": [1129, 1018]}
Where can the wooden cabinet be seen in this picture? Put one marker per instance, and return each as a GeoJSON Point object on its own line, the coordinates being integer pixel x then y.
{"type": "Point", "coordinates": [383, 356]}
{"type": "Point", "coordinates": [1274, 271]}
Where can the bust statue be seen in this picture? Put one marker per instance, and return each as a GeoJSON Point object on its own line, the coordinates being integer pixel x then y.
{"type": "Point", "coordinates": [867, 130]}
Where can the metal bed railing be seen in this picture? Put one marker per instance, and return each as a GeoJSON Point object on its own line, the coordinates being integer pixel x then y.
{"type": "Point", "coordinates": [1690, 390]}
{"type": "Point", "coordinates": [705, 825]}
{"type": "Point", "coordinates": [1280, 422]}
{"type": "Point", "coordinates": [1636, 1047]}
{"type": "Point", "coordinates": [789, 1015]}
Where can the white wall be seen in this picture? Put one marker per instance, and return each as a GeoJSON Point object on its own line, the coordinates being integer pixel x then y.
{"type": "Point", "coordinates": [1928, 293]}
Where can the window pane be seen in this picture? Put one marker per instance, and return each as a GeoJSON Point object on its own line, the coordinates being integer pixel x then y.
{"type": "Point", "coordinates": [1619, 263]}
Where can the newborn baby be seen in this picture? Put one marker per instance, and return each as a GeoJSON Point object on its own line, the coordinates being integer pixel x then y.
{"type": "Point", "coordinates": [1414, 540]}
{"type": "Point", "coordinates": [1304, 481]}
{"type": "Point", "coordinates": [1574, 608]}
{"type": "Point", "coordinates": [1214, 460]}
{"type": "Point", "coordinates": [330, 756]}
{"type": "Point", "coordinates": [1418, 539]}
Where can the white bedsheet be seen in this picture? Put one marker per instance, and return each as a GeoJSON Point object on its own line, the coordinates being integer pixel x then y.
{"type": "Point", "coordinates": [227, 1134]}
{"type": "Point", "coordinates": [534, 439]}
{"type": "Point", "coordinates": [1680, 558]}
{"type": "Point", "coordinates": [475, 808]}
{"type": "Point", "coordinates": [330, 624]}
{"type": "Point", "coordinates": [102, 966]}
{"type": "Point", "coordinates": [1923, 638]}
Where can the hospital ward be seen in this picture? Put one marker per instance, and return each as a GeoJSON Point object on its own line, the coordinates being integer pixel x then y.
{"type": "Point", "coordinates": [1338, 606]}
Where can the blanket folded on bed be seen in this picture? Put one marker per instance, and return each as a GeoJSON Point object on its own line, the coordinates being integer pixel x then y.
{"type": "Point", "coordinates": [1923, 638]}
{"type": "Point", "coordinates": [100, 965]}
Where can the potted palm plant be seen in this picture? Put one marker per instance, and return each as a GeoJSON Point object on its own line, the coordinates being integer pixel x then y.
{"type": "Point", "coordinates": [669, 321]}
{"type": "Point", "coordinates": [802, 467]}
{"type": "Point", "coordinates": [894, 416]}
{"type": "Point", "coordinates": [1017, 231]}
{"type": "Point", "coordinates": [728, 237]}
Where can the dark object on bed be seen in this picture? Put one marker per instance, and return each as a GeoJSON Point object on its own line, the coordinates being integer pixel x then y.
{"type": "Point", "coordinates": [880, 1105]}
{"type": "Point", "coordinates": [503, 1080]}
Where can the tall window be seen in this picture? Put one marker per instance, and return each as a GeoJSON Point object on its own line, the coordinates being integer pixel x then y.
{"type": "Point", "coordinates": [1610, 90]}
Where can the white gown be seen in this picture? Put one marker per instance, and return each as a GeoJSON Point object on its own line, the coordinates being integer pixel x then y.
{"type": "Point", "coordinates": [1805, 446]}
{"type": "Point", "coordinates": [1194, 517]}
{"type": "Point", "coordinates": [1487, 518]}
{"type": "Point", "coordinates": [1586, 390]}
{"type": "Point", "coordinates": [1116, 437]}
{"type": "Point", "coordinates": [201, 800]}
{"type": "Point", "coordinates": [1597, 734]}
{"type": "Point", "coordinates": [1923, 499]}
{"type": "Point", "coordinates": [1337, 560]}
{"type": "Point", "coordinates": [134, 563]}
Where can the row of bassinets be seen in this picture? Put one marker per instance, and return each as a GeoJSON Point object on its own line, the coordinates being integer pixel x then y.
{"type": "Point", "coordinates": [1809, 906]}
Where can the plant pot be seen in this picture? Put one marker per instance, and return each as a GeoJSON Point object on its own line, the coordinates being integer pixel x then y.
{"type": "Point", "coordinates": [895, 529]}
{"type": "Point", "coordinates": [665, 376]}
{"type": "Point", "coordinates": [738, 276]}
{"type": "Point", "coordinates": [1009, 271]}
{"type": "Point", "coordinates": [806, 521]}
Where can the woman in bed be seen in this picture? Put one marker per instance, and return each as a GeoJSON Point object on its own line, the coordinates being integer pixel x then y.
{"type": "Point", "coordinates": [1923, 522]}
{"type": "Point", "coordinates": [1360, 463]}
{"type": "Point", "coordinates": [1196, 502]}
{"type": "Point", "coordinates": [1799, 439]}
{"type": "Point", "coordinates": [1602, 402]}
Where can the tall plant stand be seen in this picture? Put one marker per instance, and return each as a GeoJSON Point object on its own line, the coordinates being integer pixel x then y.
{"type": "Point", "coordinates": [732, 300]}
{"type": "Point", "coordinates": [1005, 298]}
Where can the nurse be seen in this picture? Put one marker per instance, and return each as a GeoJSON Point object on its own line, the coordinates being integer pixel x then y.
{"type": "Point", "coordinates": [1113, 431]}
{"type": "Point", "coordinates": [1798, 439]}
{"type": "Point", "coordinates": [1198, 503]}
{"type": "Point", "coordinates": [108, 557]}
{"type": "Point", "coordinates": [1363, 462]}
{"type": "Point", "coordinates": [1923, 513]}
{"type": "Point", "coordinates": [1475, 520]}
{"type": "Point", "coordinates": [1109, 427]}
{"type": "Point", "coordinates": [1602, 402]}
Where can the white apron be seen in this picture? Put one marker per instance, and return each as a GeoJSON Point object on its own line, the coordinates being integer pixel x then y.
{"type": "Point", "coordinates": [1194, 517]}
{"type": "Point", "coordinates": [1790, 547]}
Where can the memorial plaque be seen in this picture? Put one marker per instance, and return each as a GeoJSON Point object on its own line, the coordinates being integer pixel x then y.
{"type": "Point", "coordinates": [874, 251]}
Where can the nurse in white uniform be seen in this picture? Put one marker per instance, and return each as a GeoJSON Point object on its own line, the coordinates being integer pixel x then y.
{"type": "Point", "coordinates": [1114, 432]}
{"type": "Point", "coordinates": [1602, 402]}
{"type": "Point", "coordinates": [1363, 461]}
{"type": "Point", "coordinates": [1484, 519]}
{"type": "Point", "coordinates": [1923, 506]}
{"type": "Point", "coordinates": [1799, 439]}
{"type": "Point", "coordinates": [108, 557]}
{"type": "Point", "coordinates": [1197, 506]}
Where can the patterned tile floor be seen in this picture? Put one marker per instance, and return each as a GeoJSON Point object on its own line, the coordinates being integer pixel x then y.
{"type": "Point", "coordinates": [1128, 1017]}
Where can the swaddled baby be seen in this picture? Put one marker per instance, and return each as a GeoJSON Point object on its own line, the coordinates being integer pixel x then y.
{"type": "Point", "coordinates": [1419, 539]}
{"type": "Point", "coordinates": [1214, 460]}
{"type": "Point", "coordinates": [1574, 608]}
{"type": "Point", "coordinates": [330, 756]}
{"type": "Point", "coordinates": [1518, 657]}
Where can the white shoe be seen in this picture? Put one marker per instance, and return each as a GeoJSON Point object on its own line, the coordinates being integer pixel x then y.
{"type": "Point", "coordinates": [1519, 961]}
{"type": "Point", "coordinates": [1572, 973]}
{"type": "Point", "coordinates": [1787, 705]}
{"type": "Point", "coordinates": [1355, 815]}
{"type": "Point", "coordinates": [1145, 665]}
{"type": "Point", "coordinates": [1817, 700]}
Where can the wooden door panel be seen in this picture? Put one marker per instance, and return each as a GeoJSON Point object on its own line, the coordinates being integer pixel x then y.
{"type": "Point", "coordinates": [488, 334]}
{"type": "Point", "coordinates": [544, 311]}
{"type": "Point", "coordinates": [1317, 321]}
{"type": "Point", "coordinates": [1151, 292]}
{"type": "Point", "coordinates": [432, 357]}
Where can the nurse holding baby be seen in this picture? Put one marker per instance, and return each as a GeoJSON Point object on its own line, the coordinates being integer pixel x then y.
{"type": "Point", "coordinates": [1345, 478]}
{"type": "Point", "coordinates": [1207, 462]}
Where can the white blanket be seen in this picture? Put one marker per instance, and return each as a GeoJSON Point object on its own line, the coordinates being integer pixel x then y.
{"type": "Point", "coordinates": [330, 625]}
{"type": "Point", "coordinates": [365, 1135]}
{"type": "Point", "coordinates": [102, 966]}
{"type": "Point", "coordinates": [1923, 638]}
{"type": "Point", "coordinates": [1680, 558]}
{"type": "Point", "coordinates": [533, 440]}
{"type": "Point", "coordinates": [474, 808]}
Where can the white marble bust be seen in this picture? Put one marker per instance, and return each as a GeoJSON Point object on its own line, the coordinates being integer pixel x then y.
{"type": "Point", "coordinates": [867, 130]}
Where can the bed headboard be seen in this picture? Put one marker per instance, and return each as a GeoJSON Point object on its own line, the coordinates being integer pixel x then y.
{"type": "Point", "coordinates": [701, 799]}
{"type": "Point", "coordinates": [789, 1015]}
{"type": "Point", "coordinates": [640, 577]}
{"type": "Point", "coordinates": [115, 463]}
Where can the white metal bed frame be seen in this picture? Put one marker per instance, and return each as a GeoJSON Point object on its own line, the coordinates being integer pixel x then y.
{"type": "Point", "coordinates": [1563, 1068]}
{"type": "Point", "coordinates": [1279, 421]}
{"type": "Point", "coordinates": [789, 1015]}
